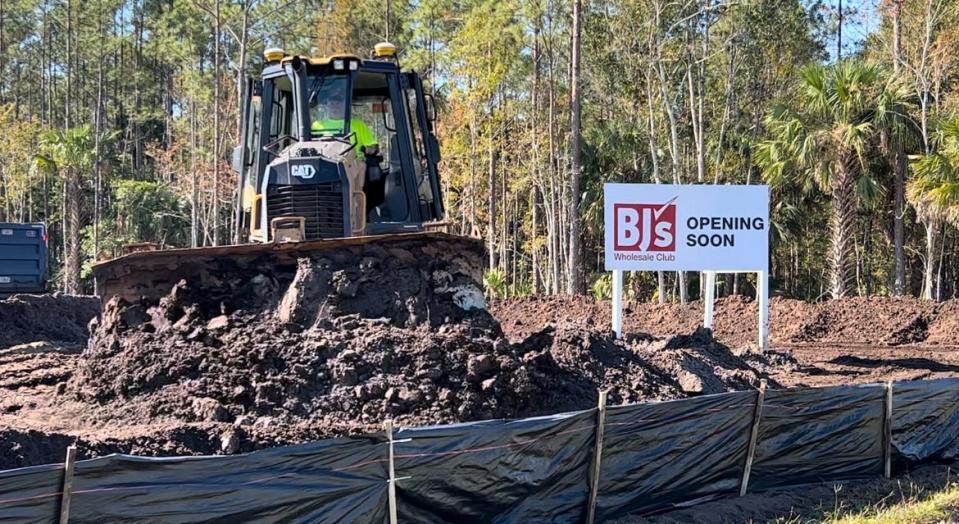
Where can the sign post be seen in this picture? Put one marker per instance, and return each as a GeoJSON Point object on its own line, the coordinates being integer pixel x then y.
{"type": "Point", "coordinates": [618, 302]}
{"type": "Point", "coordinates": [708, 228]}
{"type": "Point", "coordinates": [710, 299]}
{"type": "Point", "coordinates": [762, 290]}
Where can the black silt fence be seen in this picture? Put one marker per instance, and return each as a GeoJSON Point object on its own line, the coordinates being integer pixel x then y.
{"type": "Point", "coordinates": [648, 458]}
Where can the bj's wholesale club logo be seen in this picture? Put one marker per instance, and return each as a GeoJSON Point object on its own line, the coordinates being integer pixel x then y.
{"type": "Point", "coordinates": [645, 227]}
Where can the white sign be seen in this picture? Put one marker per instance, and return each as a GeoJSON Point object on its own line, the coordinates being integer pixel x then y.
{"type": "Point", "coordinates": [660, 227]}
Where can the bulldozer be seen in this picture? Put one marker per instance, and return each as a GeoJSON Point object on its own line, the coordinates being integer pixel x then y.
{"type": "Point", "coordinates": [304, 173]}
{"type": "Point", "coordinates": [336, 151]}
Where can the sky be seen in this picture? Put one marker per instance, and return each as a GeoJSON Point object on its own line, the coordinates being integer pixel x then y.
{"type": "Point", "coordinates": [862, 18]}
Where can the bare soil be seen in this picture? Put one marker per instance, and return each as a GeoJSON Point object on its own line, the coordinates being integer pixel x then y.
{"type": "Point", "coordinates": [886, 321]}
{"type": "Point", "coordinates": [854, 340]}
{"type": "Point", "coordinates": [248, 359]}
{"type": "Point", "coordinates": [56, 317]}
{"type": "Point", "coordinates": [258, 360]}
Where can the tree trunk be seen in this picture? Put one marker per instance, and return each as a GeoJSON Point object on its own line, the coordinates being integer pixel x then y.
{"type": "Point", "coordinates": [72, 233]}
{"type": "Point", "coordinates": [216, 125]}
{"type": "Point", "coordinates": [929, 262]}
{"type": "Point", "coordinates": [243, 44]}
{"type": "Point", "coordinates": [504, 223]}
{"type": "Point", "coordinates": [929, 19]}
{"type": "Point", "coordinates": [839, 35]}
{"type": "Point", "coordinates": [5, 195]}
{"type": "Point", "coordinates": [843, 220]}
{"type": "Point", "coordinates": [3, 53]}
{"type": "Point", "coordinates": [552, 215]}
{"type": "Point", "coordinates": [135, 121]}
{"type": "Point", "coordinates": [575, 270]}
{"type": "Point", "coordinates": [194, 182]}
{"type": "Point", "coordinates": [68, 92]}
{"type": "Point", "coordinates": [674, 151]}
{"type": "Point", "coordinates": [654, 159]}
{"type": "Point", "coordinates": [534, 241]}
{"type": "Point", "coordinates": [97, 131]}
{"type": "Point", "coordinates": [899, 166]}
{"type": "Point", "coordinates": [727, 109]}
{"type": "Point", "coordinates": [491, 180]}
{"type": "Point", "coordinates": [474, 154]}
{"type": "Point", "coordinates": [537, 171]}
{"type": "Point", "coordinates": [942, 256]}
{"type": "Point", "coordinates": [64, 236]}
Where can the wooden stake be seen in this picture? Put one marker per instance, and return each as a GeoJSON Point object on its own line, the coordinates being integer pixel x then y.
{"type": "Point", "coordinates": [67, 490]}
{"type": "Point", "coordinates": [391, 490]}
{"type": "Point", "coordinates": [597, 457]}
{"type": "Point", "coordinates": [887, 432]}
{"type": "Point", "coordinates": [753, 436]}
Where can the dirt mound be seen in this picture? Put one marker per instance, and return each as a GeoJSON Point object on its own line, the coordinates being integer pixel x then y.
{"type": "Point", "coordinates": [351, 379]}
{"type": "Point", "coordinates": [251, 354]}
{"type": "Point", "coordinates": [944, 327]}
{"type": "Point", "coordinates": [735, 320]}
{"type": "Point", "coordinates": [356, 372]}
{"type": "Point", "coordinates": [325, 346]}
{"type": "Point", "coordinates": [337, 347]}
{"type": "Point", "coordinates": [853, 320]}
{"type": "Point", "coordinates": [863, 320]}
{"type": "Point", "coordinates": [335, 344]}
{"type": "Point", "coordinates": [27, 448]}
{"type": "Point", "coordinates": [699, 364]}
{"type": "Point", "coordinates": [54, 318]}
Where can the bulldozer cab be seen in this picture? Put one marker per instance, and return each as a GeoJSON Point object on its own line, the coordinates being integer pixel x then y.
{"type": "Point", "coordinates": [335, 147]}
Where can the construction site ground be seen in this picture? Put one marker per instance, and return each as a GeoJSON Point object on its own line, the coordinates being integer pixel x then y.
{"type": "Point", "coordinates": [181, 376]}
{"type": "Point", "coordinates": [856, 340]}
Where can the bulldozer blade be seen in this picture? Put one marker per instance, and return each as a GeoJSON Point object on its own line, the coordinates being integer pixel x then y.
{"type": "Point", "coordinates": [147, 276]}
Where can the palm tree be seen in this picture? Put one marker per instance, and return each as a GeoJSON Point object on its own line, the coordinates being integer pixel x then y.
{"type": "Point", "coordinates": [70, 153]}
{"type": "Point", "coordinates": [934, 192]}
{"type": "Point", "coordinates": [823, 139]}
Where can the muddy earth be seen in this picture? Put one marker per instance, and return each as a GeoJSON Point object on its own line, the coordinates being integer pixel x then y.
{"type": "Point", "coordinates": [54, 318]}
{"type": "Point", "coordinates": [852, 340]}
{"type": "Point", "coordinates": [261, 355]}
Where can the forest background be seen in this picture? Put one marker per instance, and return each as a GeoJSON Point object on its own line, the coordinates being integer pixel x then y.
{"type": "Point", "coordinates": [118, 117]}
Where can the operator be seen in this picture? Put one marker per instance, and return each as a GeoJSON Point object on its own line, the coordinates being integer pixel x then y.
{"type": "Point", "coordinates": [328, 120]}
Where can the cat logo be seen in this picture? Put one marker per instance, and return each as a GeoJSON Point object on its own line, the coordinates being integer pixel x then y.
{"type": "Point", "coordinates": [304, 171]}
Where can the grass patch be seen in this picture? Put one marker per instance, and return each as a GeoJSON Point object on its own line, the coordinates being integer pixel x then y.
{"type": "Point", "coordinates": [941, 506]}
{"type": "Point", "coordinates": [907, 504]}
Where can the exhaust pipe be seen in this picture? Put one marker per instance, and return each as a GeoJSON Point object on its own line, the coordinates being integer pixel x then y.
{"type": "Point", "coordinates": [298, 70]}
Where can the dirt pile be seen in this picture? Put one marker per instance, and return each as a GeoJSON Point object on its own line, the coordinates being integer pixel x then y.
{"type": "Point", "coordinates": [853, 320]}
{"type": "Point", "coordinates": [338, 347]}
{"type": "Point", "coordinates": [862, 320]}
{"type": "Point", "coordinates": [53, 318]}
{"type": "Point", "coordinates": [263, 377]}
{"type": "Point", "coordinates": [247, 354]}
{"type": "Point", "coordinates": [334, 344]}
{"type": "Point", "coordinates": [944, 329]}
{"type": "Point", "coordinates": [20, 448]}
{"type": "Point", "coordinates": [735, 316]}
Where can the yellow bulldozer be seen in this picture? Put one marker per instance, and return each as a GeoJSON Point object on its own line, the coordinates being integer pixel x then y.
{"type": "Point", "coordinates": [336, 151]}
